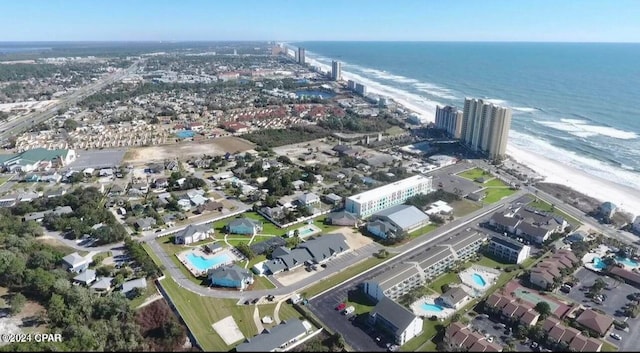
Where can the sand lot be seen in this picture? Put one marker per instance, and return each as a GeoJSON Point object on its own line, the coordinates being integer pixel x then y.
{"type": "Point", "coordinates": [355, 239]}
{"type": "Point", "coordinates": [218, 146]}
{"type": "Point", "coordinates": [228, 330]}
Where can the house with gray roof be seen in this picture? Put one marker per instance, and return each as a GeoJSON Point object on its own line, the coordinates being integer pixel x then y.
{"type": "Point", "coordinates": [308, 199]}
{"type": "Point", "coordinates": [342, 218]}
{"type": "Point", "coordinates": [128, 286]}
{"type": "Point", "coordinates": [318, 250]}
{"type": "Point", "coordinates": [333, 199]}
{"type": "Point", "coordinates": [75, 263]}
{"type": "Point", "coordinates": [382, 229]}
{"type": "Point", "coordinates": [455, 297]}
{"type": "Point", "coordinates": [396, 320]}
{"type": "Point", "coordinates": [193, 233]}
{"type": "Point", "coordinates": [103, 284]}
{"type": "Point", "coordinates": [230, 276]}
{"type": "Point", "coordinates": [145, 223]}
{"type": "Point", "coordinates": [398, 219]}
{"type": "Point", "coordinates": [245, 225]}
{"type": "Point", "coordinates": [277, 338]}
{"type": "Point", "coordinates": [85, 278]}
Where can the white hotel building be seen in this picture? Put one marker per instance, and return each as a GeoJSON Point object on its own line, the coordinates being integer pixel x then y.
{"type": "Point", "coordinates": [369, 202]}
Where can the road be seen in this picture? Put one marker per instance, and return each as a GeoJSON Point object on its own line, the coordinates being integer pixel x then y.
{"type": "Point", "coordinates": [19, 125]}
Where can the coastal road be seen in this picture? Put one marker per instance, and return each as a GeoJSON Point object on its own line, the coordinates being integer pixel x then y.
{"type": "Point", "coordinates": [21, 124]}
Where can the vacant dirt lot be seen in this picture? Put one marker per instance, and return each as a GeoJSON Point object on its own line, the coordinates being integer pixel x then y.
{"type": "Point", "coordinates": [355, 239]}
{"type": "Point", "coordinates": [218, 146]}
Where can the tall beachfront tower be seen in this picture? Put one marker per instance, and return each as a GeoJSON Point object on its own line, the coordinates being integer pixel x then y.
{"type": "Point", "coordinates": [336, 70]}
{"type": "Point", "coordinates": [485, 127]}
{"type": "Point", "coordinates": [449, 119]}
{"type": "Point", "coordinates": [301, 57]}
{"type": "Point", "coordinates": [369, 202]}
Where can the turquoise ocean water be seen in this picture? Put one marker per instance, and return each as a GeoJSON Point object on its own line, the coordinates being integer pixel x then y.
{"type": "Point", "coordinates": [577, 103]}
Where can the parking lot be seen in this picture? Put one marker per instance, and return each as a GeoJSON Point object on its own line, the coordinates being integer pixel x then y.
{"type": "Point", "coordinates": [612, 305]}
{"type": "Point", "coordinates": [96, 159]}
{"type": "Point", "coordinates": [355, 331]}
{"type": "Point", "coordinates": [498, 331]}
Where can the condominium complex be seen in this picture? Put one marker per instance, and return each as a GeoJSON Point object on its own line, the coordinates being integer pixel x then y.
{"type": "Point", "coordinates": [336, 70]}
{"type": "Point", "coordinates": [449, 119]}
{"type": "Point", "coordinates": [485, 127]}
{"type": "Point", "coordinates": [369, 202]}
{"type": "Point", "coordinates": [361, 89]}
{"type": "Point", "coordinates": [508, 250]}
{"type": "Point", "coordinates": [426, 266]}
{"type": "Point", "coordinates": [301, 57]}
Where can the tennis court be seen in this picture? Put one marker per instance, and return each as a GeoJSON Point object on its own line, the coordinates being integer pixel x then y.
{"type": "Point", "coordinates": [558, 308]}
{"type": "Point", "coordinates": [534, 298]}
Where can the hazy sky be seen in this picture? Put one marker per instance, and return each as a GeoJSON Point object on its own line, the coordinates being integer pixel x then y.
{"type": "Point", "coordinates": [289, 20]}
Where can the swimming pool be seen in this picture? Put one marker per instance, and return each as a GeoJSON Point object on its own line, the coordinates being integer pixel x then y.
{"type": "Point", "coordinates": [627, 261]}
{"type": "Point", "coordinates": [479, 280]}
{"type": "Point", "coordinates": [305, 231]}
{"type": "Point", "coordinates": [431, 307]}
{"type": "Point", "coordinates": [598, 263]}
{"type": "Point", "coordinates": [183, 134]}
{"type": "Point", "coordinates": [203, 264]}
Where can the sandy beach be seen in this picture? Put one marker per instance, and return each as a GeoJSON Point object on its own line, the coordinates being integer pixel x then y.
{"type": "Point", "coordinates": [623, 196]}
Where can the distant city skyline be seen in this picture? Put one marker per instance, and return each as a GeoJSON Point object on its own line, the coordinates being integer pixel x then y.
{"type": "Point", "coordinates": [330, 20]}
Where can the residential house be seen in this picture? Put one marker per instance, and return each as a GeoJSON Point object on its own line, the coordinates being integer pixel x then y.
{"type": "Point", "coordinates": [342, 218]}
{"type": "Point", "coordinates": [145, 223]}
{"type": "Point", "coordinates": [508, 250]}
{"type": "Point", "coordinates": [308, 200]}
{"type": "Point", "coordinates": [128, 286]}
{"type": "Point", "coordinates": [245, 226]}
{"type": "Point", "coordinates": [161, 183]}
{"type": "Point", "coordinates": [595, 322]}
{"type": "Point", "coordinates": [115, 190]}
{"type": "Point", "coordinates": [103, 284]}
{"type": "Point", "coordinates": [276, 212]}
{"type": "Point", "coordinates": [318, 250]}
{"type": "Point", "coordinates": [106, 172]}
{"type": "Point", "coordinates": [193, 233]}
{"type": "Point", "coordinates": [333, 199]}
{"type": "Point", "coordinates": [607, 210]}
{"type": "Point", "coordinates": [230, 276]}
{"type": "Point", "coordinates": [573, 338]}
{"type": "Point", "coordinates": [212, 206]}
{"type": "Point", "coordinates": [396, 320]}
{"type": "Point", "coordinates": [455, 297]}
{"type": "Point", "coordinates": [185, 204]}
{"type": "Point", "coordinates": [86, 277]}
{"type": "Point", "coordinates": [297, 184]}
{"type": "Point", "coordinates": [57, 192]}
{"type": "Point", "coordinates": [276, 339]}
{"type": "Point", "coordinates": [75, 263]}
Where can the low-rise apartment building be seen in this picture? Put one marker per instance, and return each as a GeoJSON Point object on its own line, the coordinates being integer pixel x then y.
{"type": "Point", "coordinates": [508, 250]}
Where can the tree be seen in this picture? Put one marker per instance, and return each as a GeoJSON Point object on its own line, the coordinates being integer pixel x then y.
{"type": "Point", "coordinates": [383, 253]}
{"type": "Point", "coordinates": [543, 308]}
{"type": "Point", "coordinates": [17, 302]}
{"type": "Point", "coordinates": [70, 125]}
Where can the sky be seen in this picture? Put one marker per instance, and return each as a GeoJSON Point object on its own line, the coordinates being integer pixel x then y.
{"type": "Point", "coordinates": [327, 20]}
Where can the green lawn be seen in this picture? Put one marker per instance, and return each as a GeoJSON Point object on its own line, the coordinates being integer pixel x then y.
{"type": "Point", "coordinates": [429, 330]}
{"type": "Point", "coordinates": [287, 311]}
{"type": "Point", "coordinates": [447, 278]}
{"type": "Point", "coordinates": [343, 276]}
{"type": "Point", "coordinates": [491, 263]}
{"type": "Point", "coordinates": [545, 206]}
{"type": "Point", "coordinates": [474, 173]}
{"type": "Point", "coordinates": [259, 238]}
{"type": "Point", "coordinates": [270, 228]}
{"type": "Point", "coordinates": [464, 207]}
{"type": "Point", "coordinates": [235, 239]}
{"type": "Point", "coordinates": [261, 282]}
{"type": "Point", "coordinates": [495, 182]}
{"type": "Point", "coordinates": [422, 231]}
{"type": "Point", "coordinates": [3, 180]}
{"type": "Point", "coordinates": [609, 347]}
{"type": "Point", "coordinates": [360, 301]}
{"type": "Point", "coordinates": [200, 313]}
{"type": "Point", "coordinates": [495, 195]}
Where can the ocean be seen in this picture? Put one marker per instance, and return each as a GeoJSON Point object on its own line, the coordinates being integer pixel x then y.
{"type": "Point", "coordinates": [575, 103]}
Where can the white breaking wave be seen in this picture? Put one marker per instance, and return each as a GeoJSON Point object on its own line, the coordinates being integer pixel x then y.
{"type": "Point", "coordinates": [525, 109]}
{"type": "Point", "coordinates": [582, 128]}
{"type": "Point", "coordinates": [497, 101]}
{"type": "Point", "coordinates": [585, 164]}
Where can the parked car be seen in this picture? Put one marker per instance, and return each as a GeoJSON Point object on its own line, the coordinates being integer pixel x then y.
{"type": "Point", "coordinates": [349, 310]}
{"type": "Point", "coordinates": [616, 336]}
{"type": "Point", "coordinates": [341, 306]}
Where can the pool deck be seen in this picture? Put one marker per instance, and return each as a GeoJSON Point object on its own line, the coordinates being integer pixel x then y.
{"type": "Point", "coordinates": [417, 309]}
{"type": "Point", "coordinates": [316, 230]}
{"type": "Point", "coordinates": [489, 275]}
{"type": "Point", "coordinates": [182, 256]}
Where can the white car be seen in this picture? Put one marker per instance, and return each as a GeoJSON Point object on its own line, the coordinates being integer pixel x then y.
{"type": "Point", "coordinates": [616, 336]}
{"type": "Point", "coordinates": [490, 339]}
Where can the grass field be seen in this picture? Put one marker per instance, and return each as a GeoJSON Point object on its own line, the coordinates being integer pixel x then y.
{"type": "Point", "coordinates": [360, 301]}
{"type": "Point", "coordinates": [473, 174]}
{"type": "Point", "coordinates": [201, 312]}
{"type": "Point", "coordinates": [495, 182]}
{"type": "Point", "coordinates": [422, 231]}
{"type": "Point", "coordinates": [270, 228]}
{"type": "Point", "coordinates": [343, 276]}
{"type": "Point", "coordinates": [544, 206]}
{"type": "Point", "coordinates": [260, 282]}
{"type": "Point", "coordinates": [448, 278]}
{"type": "Point", "coordinates": [495, 195]}
{"type": "Point", "coordinates": [608, 347]}
{"type": "Point", "coordinates": [287, 311]}
{"type": "Point", "coordinates": [464, 207]}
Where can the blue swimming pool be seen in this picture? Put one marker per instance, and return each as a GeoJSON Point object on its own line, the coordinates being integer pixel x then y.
{"type": "Point", "coordinates": [204, 264]}
{"type": "Point", "coordinates": [627, 261]}
{"type": "Point", "coordinates": [183, 134]}
{"type": "Point", "coordinates": [598, 264]}
{"type": "Point", "coordinates": [432, 307]}
{"type": "Point", "coordinates": [306, 231]}
{"type": "Point", "coordinates": [479, 280]}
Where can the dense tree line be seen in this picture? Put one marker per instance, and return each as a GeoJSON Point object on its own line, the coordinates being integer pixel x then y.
{"type": "Point", "coordinates": [281, 137]}
{"type": "Point", "coordinates": [137, 252]}
{"type": "Point", "coordinates": [88, 210]}
{"type": "Point", "coordinates": [351, 123]}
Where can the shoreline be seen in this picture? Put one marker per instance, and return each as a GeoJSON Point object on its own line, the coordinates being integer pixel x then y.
{"type": "Point", "coordinates": [625, 198]}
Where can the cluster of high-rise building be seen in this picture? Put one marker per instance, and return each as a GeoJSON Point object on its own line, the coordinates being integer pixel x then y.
{"type": "Point", "coordinates": [482, 126]}
{"type": "Point", "coordinates": [336, 71]}
{"type": "Point", "coordinates": [300, 57]}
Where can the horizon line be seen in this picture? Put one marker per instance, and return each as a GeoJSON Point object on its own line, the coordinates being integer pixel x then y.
{"type": "Point", "coordinates": [313, 41]}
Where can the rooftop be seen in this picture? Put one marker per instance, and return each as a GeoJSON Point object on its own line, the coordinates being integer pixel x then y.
{"type": "Point", "coordinates": [376, 193]}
